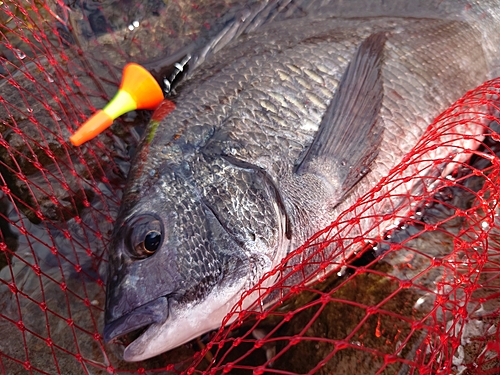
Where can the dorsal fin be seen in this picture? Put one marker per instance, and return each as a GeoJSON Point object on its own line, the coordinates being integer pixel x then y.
{"type": "Point", "coordinates": [349, 135]}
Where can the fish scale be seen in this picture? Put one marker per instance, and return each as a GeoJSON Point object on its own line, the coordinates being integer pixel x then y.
{"type": "Point", "coordinates": [406, 74]}
{"type": "Point", "coordinates": [274, 137]}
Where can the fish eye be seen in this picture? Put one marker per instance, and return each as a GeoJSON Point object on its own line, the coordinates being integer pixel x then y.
{"type": "Point", "coordinates": [152, 241]}
{"type": "Point", "coordinates": [145, 236]}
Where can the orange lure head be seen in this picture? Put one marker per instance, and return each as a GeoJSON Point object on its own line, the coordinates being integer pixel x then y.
{"type": "Point", "coordinates": [138, 90]}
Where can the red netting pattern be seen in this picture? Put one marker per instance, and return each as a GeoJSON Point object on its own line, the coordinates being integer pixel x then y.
{"type": "Point", "coordinates": [421, 295]}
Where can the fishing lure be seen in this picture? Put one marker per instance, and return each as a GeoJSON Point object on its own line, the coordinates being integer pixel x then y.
{"type": "Point", "coordinates": [138, 90]}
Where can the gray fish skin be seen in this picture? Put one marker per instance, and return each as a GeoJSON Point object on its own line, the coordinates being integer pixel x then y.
{"type": "Point", "coordinates": [257, 156]}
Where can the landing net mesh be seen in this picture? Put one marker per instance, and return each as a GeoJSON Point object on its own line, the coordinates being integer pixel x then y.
{"type": "Point", "coordinates": [421, 299]}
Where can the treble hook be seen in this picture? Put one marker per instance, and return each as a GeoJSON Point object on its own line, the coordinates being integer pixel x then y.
{"type": "Point", "coordinates": [179, 68]}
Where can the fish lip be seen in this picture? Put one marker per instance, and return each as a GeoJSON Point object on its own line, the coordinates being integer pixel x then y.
{"type": "Point", "coordinates": [154, 312]}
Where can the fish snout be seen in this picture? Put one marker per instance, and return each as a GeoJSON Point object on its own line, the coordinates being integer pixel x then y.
{"type": "Point", "coordinates": [137, 288]}
{"type": "Point", "coordinates": [153, 312]}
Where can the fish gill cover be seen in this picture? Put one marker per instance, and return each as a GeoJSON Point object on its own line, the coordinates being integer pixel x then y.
{"type": "Point", "coordinates": [420, 298]}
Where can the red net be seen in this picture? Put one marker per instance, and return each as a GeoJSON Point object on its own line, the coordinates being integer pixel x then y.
{"type": "Point", "coordinates": [423, 299]}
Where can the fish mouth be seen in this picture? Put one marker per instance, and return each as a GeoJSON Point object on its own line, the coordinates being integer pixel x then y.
{"type": "Point", "coordinates": [140, 319]}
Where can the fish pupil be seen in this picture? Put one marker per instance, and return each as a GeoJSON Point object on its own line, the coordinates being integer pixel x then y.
{"type": "Point", "coordinates": [152, 241]}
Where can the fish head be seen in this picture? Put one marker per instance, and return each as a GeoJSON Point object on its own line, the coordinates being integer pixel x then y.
{"type": "Point", "coordinates": [181, 255]}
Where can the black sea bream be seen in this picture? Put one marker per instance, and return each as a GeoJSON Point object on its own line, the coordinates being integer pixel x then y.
{"type": "Point", "coordinates": [272, 138]}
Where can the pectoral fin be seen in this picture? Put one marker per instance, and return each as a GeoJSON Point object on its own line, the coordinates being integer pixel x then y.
{"type": "Point", "coordinates": [349, 135]}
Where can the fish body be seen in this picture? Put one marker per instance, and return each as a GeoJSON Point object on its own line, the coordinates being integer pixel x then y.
{"type": "Point", "coordinates": [272, 138]}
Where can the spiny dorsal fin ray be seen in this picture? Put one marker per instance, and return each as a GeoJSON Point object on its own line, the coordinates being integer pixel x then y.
{"type": "Point", "coordinates": [349, 135]}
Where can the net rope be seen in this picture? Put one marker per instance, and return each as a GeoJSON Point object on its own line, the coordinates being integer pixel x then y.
{"type": "Point", "coordinates": [420, 296]}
